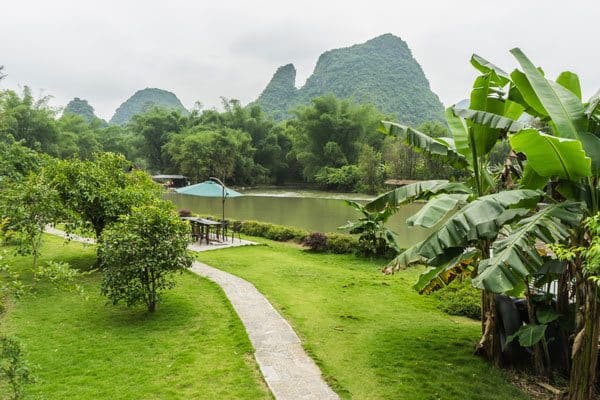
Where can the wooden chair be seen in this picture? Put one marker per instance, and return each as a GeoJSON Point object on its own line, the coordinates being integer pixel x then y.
{"type": "Point", "coordinates": [236, 228]}
{"type": "Point", "coordinates": [224, 226]}
{"type": "Point", "coordinates": [197, 233]}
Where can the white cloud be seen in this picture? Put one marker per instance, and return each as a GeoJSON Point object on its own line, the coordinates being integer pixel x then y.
{"type": "Point", "coordinates": [104, 51]}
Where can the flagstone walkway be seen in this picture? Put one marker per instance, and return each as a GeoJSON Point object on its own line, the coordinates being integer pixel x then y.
{"type": "Point", "coordinates": [289, 372]}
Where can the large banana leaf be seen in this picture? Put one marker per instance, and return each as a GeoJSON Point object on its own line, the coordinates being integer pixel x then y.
{"type": "Point", "coordinates": [570, 81]}
{"type": "Point", "coordinates": [460, 134]}
{"type": "Point", "coordinates": [486, 67]}
{"type": "Point", "coordinates": [515, 256]}
{"type": "Point", "coordinates": [491, 120]}
{"type": "Point", "coordinates": [513, 110]}
{"type": "Point", "coordinates": [591, 146]}
{"type": "Point", "coordinates": [552, 156]}
{"type": "Point", "coordinates": [484, 97]}
{"type": "Point", "coordinates": [592, 105]}
{"type": "Point", "coordinates": [404, 259]}
{"type": "Point", "coordinates": [436, 277]}
{"type": "Point", "coordinates": [531, 179]}
{"type": "Point", "coordinates": [562, 105]}
{"type": "Point", "coordinates": [436, 209]}
{"type": "Point", "coordinates": [480, 219]}
{"type": "Point", "coordinates": [419, 141]}
{"type": "Point", "coordinates": [416, 191]}
{"type": "Point", "coordinates": [522, 92]}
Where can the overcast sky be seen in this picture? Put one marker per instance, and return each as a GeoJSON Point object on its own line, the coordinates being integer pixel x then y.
{"type": "Point", "coordinates": [104, 51]}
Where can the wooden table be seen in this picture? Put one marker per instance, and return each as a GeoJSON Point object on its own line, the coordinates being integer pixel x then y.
{"type": "Point", "coordinates": [203, 228]}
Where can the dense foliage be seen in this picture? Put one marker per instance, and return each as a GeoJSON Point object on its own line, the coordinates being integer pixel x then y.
{"type": "Point", "coordinates": [142, 101]}
{"type": "Point", "coordinates": [141, 253]}
{"type": "Point", "coordinates": [329, 143]}
{"type": "Point", "coordinates": [496, 227]}
{"type": "Point", "coordinates": [381, 72]}
{"type": "Point", "coordinates": [98, 191]}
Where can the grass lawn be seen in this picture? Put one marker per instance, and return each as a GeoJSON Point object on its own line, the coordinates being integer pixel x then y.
{"type": "Point", "coordinates": [193, 347]}
{"type": "Point", "coordinates": [372, 335]}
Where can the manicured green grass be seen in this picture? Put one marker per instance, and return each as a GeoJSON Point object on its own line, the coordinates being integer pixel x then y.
{"type": "Point", "coordinates": [193, 347]}
{"type": "Point", "coordinates": [372, 335]}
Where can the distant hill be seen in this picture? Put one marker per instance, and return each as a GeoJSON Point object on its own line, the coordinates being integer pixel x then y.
{"type": "Point", "coordinates": [82, 108]}
{"type": "Point", "coordinates": [381, 71]}
{"type": "Point", "coordinates": [142, 101]}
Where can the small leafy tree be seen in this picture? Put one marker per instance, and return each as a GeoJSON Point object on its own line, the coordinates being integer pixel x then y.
{"type": "Point", "coordinates": [29, 206]}
{"type": "Point", "coordinates": [141, 253]}
{"type": "Point", "coordinates": [98, 191]}
{"type": "Point", "coordinates": [13, 368]}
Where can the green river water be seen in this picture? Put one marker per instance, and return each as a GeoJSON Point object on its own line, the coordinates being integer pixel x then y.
{"type": "Point", "coordinates": [310, 210]}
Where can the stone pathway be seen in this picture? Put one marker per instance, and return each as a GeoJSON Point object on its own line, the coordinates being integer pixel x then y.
{"type": "Point", "coordinates": [289, 372]}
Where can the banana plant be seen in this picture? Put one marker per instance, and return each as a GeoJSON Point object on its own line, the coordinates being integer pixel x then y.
{"type": "Point", "coordinates": [375, 238]}
{"type": "Point", "coordinates": [561, 152]}
{"type": "Point", "coordinates": [468, 216]}
{"type": "Point", "coordinates": [564, 155]}
{"type": "Point", "coordinates": [546, 123]}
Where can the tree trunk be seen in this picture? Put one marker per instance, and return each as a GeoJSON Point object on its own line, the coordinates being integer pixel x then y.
{"type": "Point", "coordinates": [490, 346]}
{"type": "Point", "coordinates": [152, 306]}
{"type": "Point", "coordinates": [585, 347]}
{"type": "Point", "coordinates": [562, 308]}
{"type": "Point", "coordinates": [538, 351]}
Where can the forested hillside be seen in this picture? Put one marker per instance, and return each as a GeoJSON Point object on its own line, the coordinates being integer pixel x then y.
{"type": "Point", "coordinates": [381, 72]}
{"type": "Point", "coordinates": [144, 100]}
{"type": "Point", "coordinates": [330, 143]}
{"type": "Point", "coordinates": [82, 108]}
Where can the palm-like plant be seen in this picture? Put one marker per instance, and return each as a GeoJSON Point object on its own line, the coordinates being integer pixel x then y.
{"type": "Point", "coordinates": [375, 238]}
{"type": "Point", "coordinates": [558, 137]}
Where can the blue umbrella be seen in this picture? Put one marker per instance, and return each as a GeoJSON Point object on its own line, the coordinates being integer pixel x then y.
{"type": "Point", "coordinates": [208, 189]}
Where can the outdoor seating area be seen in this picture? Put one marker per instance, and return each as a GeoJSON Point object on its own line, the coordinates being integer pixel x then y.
{"type": "Point", "coordinates": [207, 230]}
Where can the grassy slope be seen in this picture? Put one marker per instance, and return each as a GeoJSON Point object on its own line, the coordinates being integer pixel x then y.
{"type": "Point", "coordinates": [372, 335]}
{"type": "Point", "coordinates": [194, 346]}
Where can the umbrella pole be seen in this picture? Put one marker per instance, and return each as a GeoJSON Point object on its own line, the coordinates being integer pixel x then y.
{"type": "Point", "coordinates": [212, 178]}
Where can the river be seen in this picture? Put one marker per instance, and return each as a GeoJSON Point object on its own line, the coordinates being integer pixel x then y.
{"type": "Point", "coordinates": [306, 209]}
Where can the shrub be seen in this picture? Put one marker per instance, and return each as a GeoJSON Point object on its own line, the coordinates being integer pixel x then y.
{"type": "Point", "coordinates": [343, 178]}
{"type": "Point", "coordinates": [140, 254]}
{"type": "Point", "coordinates": [316, 241]}
{"type": "Point", "coordinates": [185, 213]}
{"type": "Point", "coordinates": [254, 228]}
{"type": "Point", "coordinates": [271, 231]}
{"type": "Point", "coordinates": [14, 370]}
{"type": "Point", "coordinates": [341, 244]}
{"type": "Point", "coordinates": [460, 298]}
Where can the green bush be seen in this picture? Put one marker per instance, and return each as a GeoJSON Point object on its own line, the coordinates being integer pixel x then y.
{"type": "Point", "coordinates": [341, 244]}
{"type": "Point", "coordinates": [141, 253]}
{"type": "Point", "coordinates": [271, 231]}
{"type": "Point", "coordinates": [14, 371]}
{"type": "Point", "coordinates": [343, 178]}
{"type": "Point", "coordinates": [316, 241]}
{"type": "Point", "coordinates": [254, 228]}
{"type": "Point", "coordinates": [460, 298]}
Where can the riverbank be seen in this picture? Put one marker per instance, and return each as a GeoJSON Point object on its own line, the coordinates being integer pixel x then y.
{"type": "Point", "coordinates": [313, 214]}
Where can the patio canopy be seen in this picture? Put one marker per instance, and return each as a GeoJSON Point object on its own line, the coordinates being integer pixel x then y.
{"type": "Point", "coordinates": [208, 189]}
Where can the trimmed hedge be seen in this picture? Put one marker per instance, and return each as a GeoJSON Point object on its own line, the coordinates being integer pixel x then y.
{"type": "Point", "coordinates": [333, 242]}
{"type": "Point", "coordinates": [278, 233]}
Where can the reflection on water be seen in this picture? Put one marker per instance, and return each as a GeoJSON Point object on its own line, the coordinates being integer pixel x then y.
{"type": "Point", "coordinates": [310, 213]}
